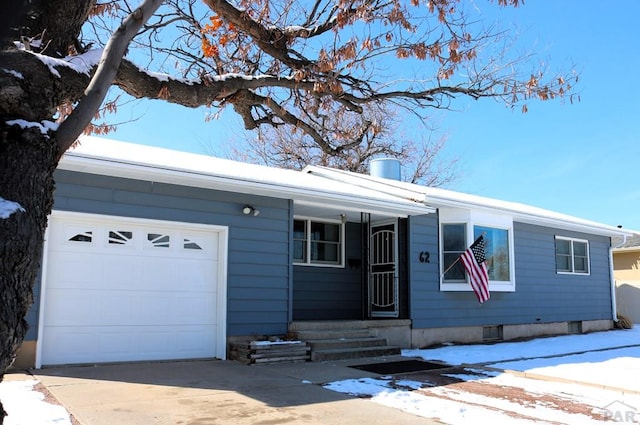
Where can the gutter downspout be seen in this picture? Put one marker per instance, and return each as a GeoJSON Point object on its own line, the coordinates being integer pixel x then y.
{"type": "Point", "coordinates": [614, 306]}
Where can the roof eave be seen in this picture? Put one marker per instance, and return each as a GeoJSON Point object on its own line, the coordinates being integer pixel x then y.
{"type": "Point", "coordinates": [582, 226]}
{"type": "Point", "coordinates": [627, 249]}
{"type": "Point", "coordinates": [551, 218]}
{"type": "Point", "coordinates": [111, 167]}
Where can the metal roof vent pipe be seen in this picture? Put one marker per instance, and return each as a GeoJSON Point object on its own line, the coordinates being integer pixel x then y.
{"type": "Point", "coordinates": [386, 168]}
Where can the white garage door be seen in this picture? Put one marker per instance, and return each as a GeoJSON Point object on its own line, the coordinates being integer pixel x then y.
{"type": "Point", "coordinates": [125, 290]}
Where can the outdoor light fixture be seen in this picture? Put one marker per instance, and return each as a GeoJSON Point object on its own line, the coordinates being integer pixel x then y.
{"type": "Point", "coordinates": [343, 218]}
{"type": "Point", "coordinates": [250, 209]}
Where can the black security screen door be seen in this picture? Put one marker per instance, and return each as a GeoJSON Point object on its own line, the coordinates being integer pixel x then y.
{"type": "Point", "coordinates": [383, 278]}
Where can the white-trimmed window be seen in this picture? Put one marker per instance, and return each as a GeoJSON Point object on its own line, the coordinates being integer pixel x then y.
{"type": "Point", "coordinates": [458, 230]}
{"type": "Point", "coordinates": [498, 248]}
{"type": "Point", "coordinates": [454, 243]}
{"type": "Point", "coordinates": [572, 256]}
{"type": "Point", "coordinates": [318, 242]}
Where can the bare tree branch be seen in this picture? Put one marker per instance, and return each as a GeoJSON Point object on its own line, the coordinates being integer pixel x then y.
{"type": "Point", "coordinates": [354, 141]}
{"type": "Point", "coordinates": [97, 89]}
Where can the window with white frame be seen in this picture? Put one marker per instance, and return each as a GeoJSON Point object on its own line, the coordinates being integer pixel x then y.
{"type": "Point", "coordinates": [318, 243]}
{"type": "Point", "coordinates": [454, 243]}
{"type": "Point", "coordinates": [458, 230]}
{"type": "Point", "coordinates": [497, 252]}
{"type": "Point", "coordinates": [572, 256]}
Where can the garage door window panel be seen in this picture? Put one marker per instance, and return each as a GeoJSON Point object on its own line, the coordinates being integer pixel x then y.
{"type": "Point", "coordinates": [189, 244]}
{"type": "Point", "coordinates": [82, 237]}
{"type": "Point", "coordinates": [159, 240]}
{"type": "Point", "coordinates": [120, 237]}
{"type": "Point", "coordinates": [78, 236]}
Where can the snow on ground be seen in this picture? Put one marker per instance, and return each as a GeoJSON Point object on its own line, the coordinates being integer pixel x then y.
{"type": "Point", "coordinates": [539, 347]}
{"type": "Point", "coordinates": [25, 406]}
{"type": "Point", "coordinates": [571, 379]}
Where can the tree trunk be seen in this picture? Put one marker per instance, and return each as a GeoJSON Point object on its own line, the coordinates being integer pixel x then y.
{"type": "Point", "coordinates": [27, 161]}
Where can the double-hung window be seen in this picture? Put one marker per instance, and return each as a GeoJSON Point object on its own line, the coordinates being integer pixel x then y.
{"type": "Point", "coordinates": [319, 243]}
{"type": "Point", "coordinates": [572, 256]}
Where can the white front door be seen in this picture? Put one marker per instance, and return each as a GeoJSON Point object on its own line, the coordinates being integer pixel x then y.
{"type": "Point", "coordinates": [122, 289]}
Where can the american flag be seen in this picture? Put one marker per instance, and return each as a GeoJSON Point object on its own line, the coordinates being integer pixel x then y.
{"type": "Point", "coordinates": [474, 262]}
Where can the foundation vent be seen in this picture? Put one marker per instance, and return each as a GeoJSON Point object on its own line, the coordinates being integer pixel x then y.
{"type": "Point", "coordinates": [492, 333]}
{"type": "Point", "coordinates": [575, 327]}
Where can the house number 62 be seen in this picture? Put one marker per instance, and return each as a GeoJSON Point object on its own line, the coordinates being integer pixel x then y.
{"type": "Point", "coordinates": [424, 257]}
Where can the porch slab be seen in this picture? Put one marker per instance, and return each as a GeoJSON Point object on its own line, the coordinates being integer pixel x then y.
{"type": "Point", "coordinates": [347, 324]}
{"type": "Point", "coordinates": [397, 332]}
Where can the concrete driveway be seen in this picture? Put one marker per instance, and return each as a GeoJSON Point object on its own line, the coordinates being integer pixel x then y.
{"type": "Point", "coordinates": [214, 392]}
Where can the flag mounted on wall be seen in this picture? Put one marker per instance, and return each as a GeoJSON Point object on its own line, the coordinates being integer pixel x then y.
{"type": "Point", "coordinates": [474, 261]}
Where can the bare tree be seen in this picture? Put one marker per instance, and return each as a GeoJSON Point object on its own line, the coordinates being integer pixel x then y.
{"type": "Point", "coordinates": [273, 61]}
{"type": "Point", "coordinates": [356, 139]}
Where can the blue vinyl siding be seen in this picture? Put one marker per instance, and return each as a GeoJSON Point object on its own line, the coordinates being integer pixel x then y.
{"type": "Point", "coordinates": [258, 269]}
{"type": "Point", "coordinates": [541, 296]}
{"type": "Point", "coordinates": [261, 298]}
{"type": "Point", "coordinates": [549, 296]}
{"type": "Point", "coordinates": [424, 295]}
{"type": "Point", "coordinates": [330, 293]}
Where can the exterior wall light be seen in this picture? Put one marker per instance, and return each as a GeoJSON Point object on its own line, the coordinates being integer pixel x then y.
{"type": "Point", "coordinates": [250, 209]}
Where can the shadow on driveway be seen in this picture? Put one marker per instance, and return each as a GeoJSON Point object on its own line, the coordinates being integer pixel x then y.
{"type": "Point", "coordinates": [213, 392]}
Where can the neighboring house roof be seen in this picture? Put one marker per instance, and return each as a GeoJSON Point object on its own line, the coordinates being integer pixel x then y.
{"type": "Point", "coordinates": [631, 243]}
{"type": "Point", "coordinates": [128, 160]}
{"type": "Point", "coordinates": [439, 198]}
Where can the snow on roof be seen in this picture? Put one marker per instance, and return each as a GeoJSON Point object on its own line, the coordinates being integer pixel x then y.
{"type": "Point", "coordinates": [438, 198]}
{"type": "Point", "coordinates": [110, 157]}
{"type": "Point", "coordinates": [319, 186]}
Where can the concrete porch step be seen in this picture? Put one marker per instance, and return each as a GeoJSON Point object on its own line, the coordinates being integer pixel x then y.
{"type": "Point", "coordinates": [324, 334]}
{"type": "Point", "coordinates": [307, 325]}
{"type": "Point", "coordinates": [353, 353]}
{"type": "Point", "coordinates": [346, 343]}
{"type": "Point", "coordinates": [352, 339]}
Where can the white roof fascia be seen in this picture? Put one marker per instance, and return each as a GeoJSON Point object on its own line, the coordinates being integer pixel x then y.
{"type": "Point", "coordinates": [437, 197]}
{"type": "Point", "coordinates": [533, 215]}
{"type": "Point", "coordinates": [303, 188]}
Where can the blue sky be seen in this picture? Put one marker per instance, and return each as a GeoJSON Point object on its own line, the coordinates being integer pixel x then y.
{"type": "Point", "coordinates": [580, 159]}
